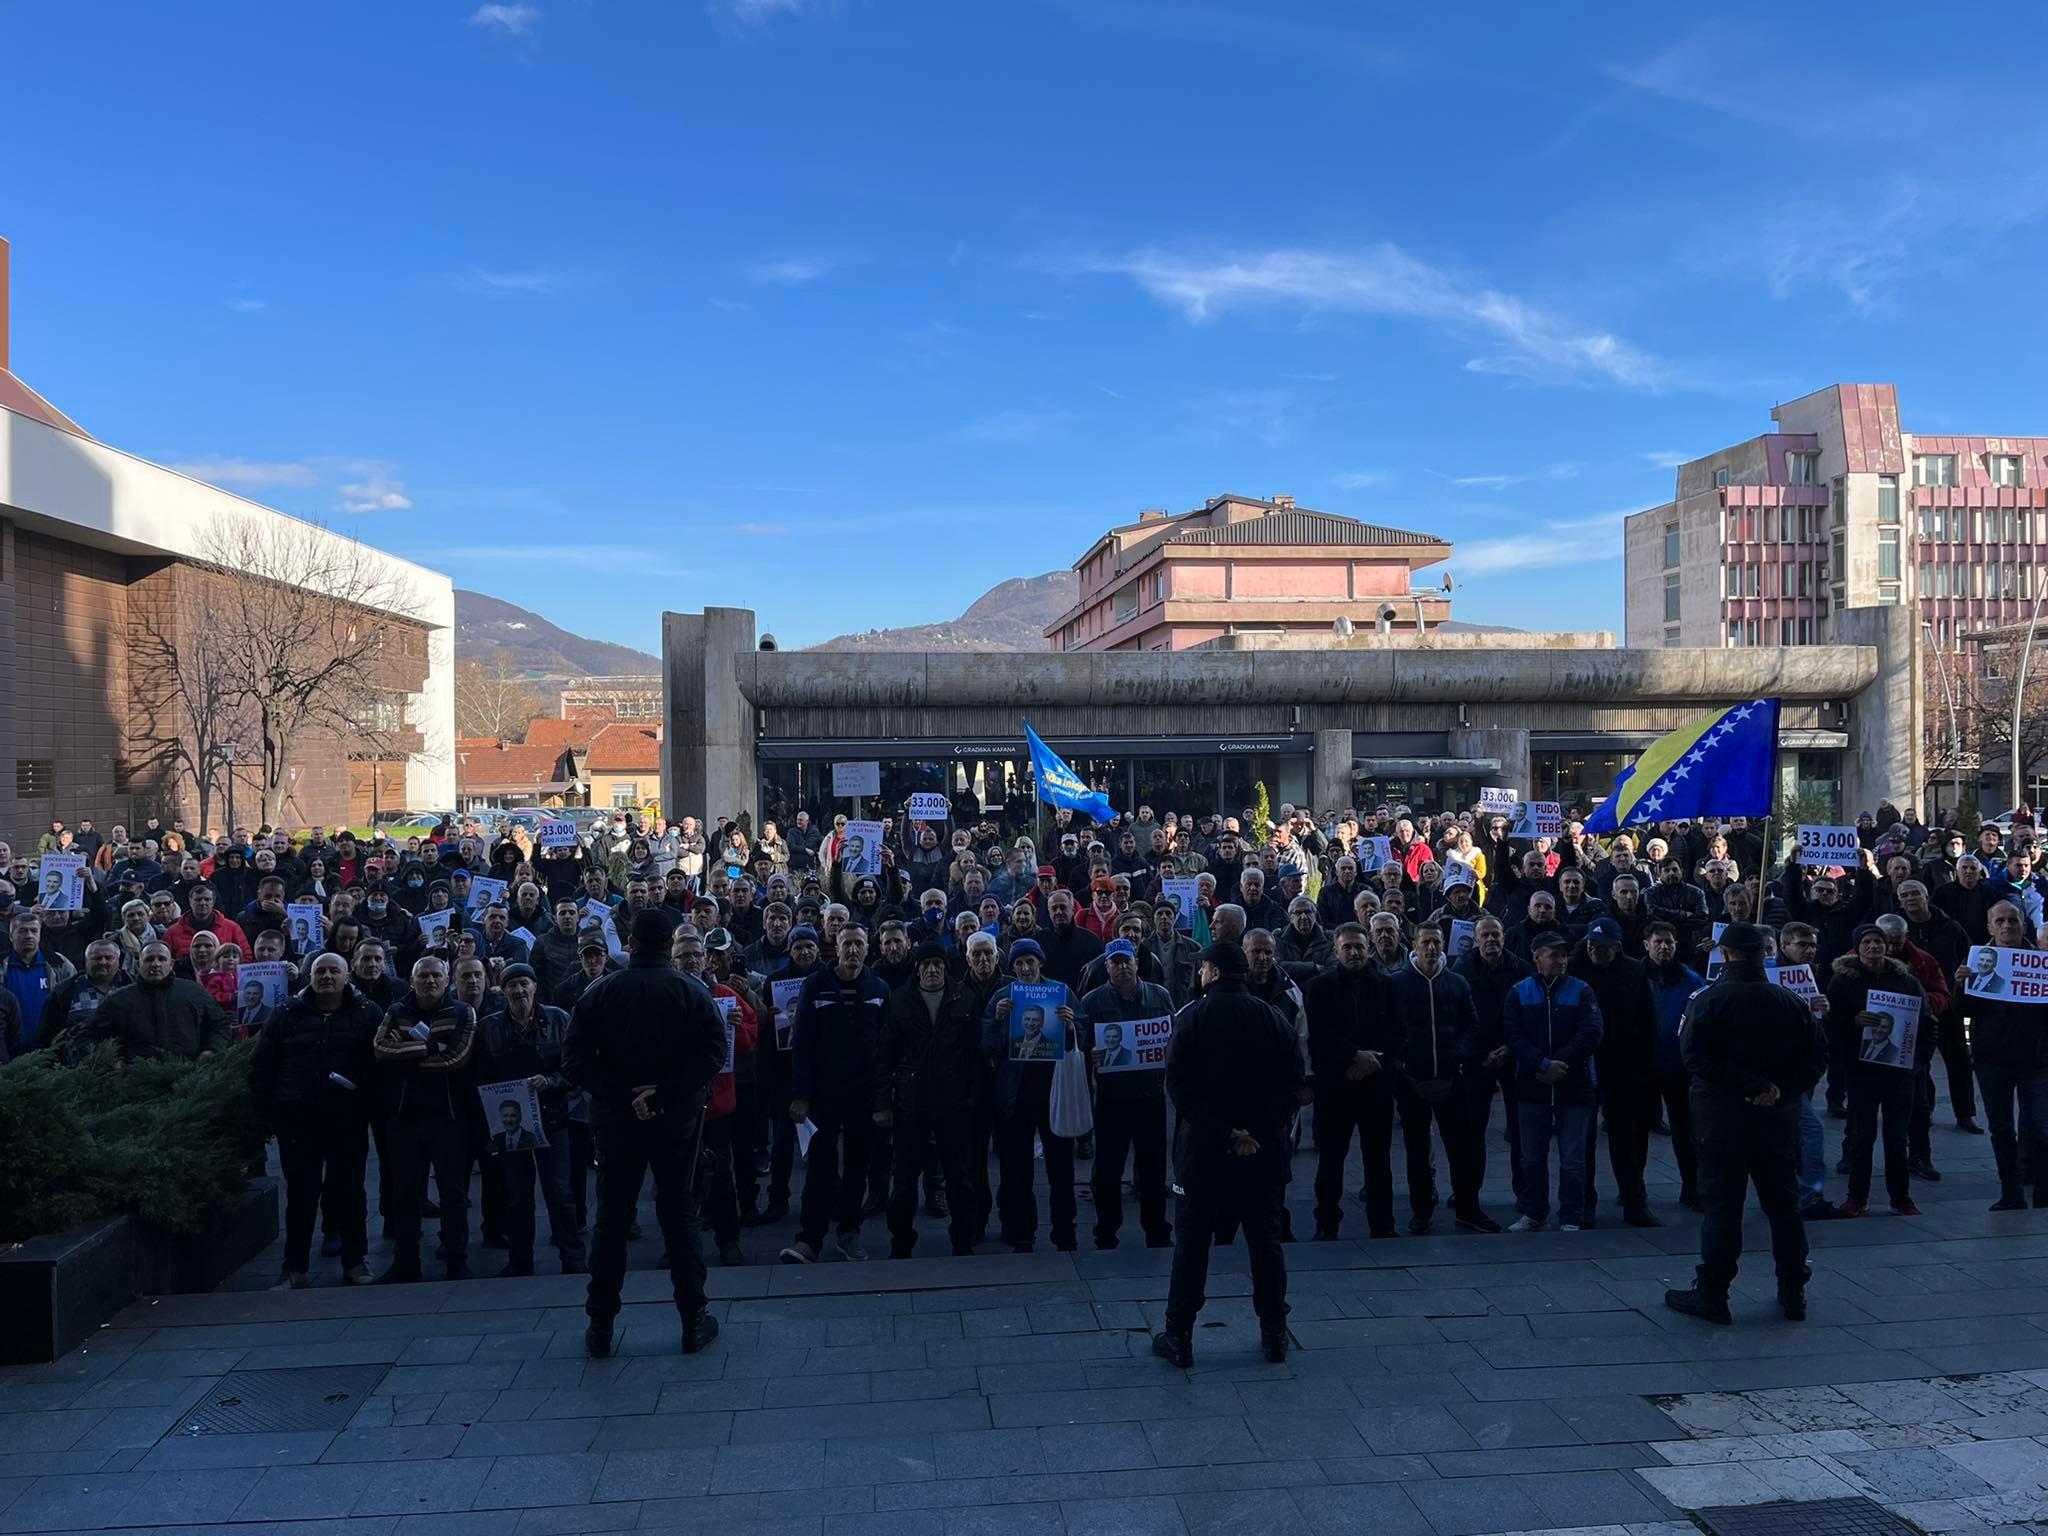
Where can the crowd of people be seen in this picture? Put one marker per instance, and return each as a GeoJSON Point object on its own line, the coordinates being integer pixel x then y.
{"type": "Point", "coordinates": [1181, 1001]}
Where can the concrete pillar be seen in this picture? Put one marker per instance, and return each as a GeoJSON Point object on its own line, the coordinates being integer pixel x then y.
{"type": "Point", "coordinates": [1509, 745]}
{"type": "Point", "coordinates": [1886, 759]}
{"type": "Point", "coordinates": [1332, 770]}
{"type": "Point", "coordinates": [707, 756]}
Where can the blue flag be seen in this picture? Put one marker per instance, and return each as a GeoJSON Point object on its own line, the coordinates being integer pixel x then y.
{"type": "Point", "coordinates": [1723, 765]}
{"type": "Point", "coordinates": [1058, 784]}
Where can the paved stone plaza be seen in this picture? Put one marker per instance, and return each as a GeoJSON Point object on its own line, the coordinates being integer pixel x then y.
{"type": "Point", "coordinates": [1444, 1384]}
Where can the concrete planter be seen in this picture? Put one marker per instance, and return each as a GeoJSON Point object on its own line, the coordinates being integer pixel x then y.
{"type": "Point", "coordinates": [56, 1291]}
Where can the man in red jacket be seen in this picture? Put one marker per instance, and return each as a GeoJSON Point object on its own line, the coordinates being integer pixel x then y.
{"type": "Point", "coordinates": [721, 1196]}
{"type": "Point", "coordinates": [202, 915]}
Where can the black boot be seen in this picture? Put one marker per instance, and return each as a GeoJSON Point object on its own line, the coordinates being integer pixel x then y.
{"type": "Point", "coordinates": [1176, 1349]}
{"type": "Point", "coordinates": [2011, 1198]}
{"type": "Point", "coordinates": [597, 1340]}
{"type": "Point", "coordinates": [1792, 1296]}
{"type": "Point", "coordinates": [1274, 1342]}
{"type": "Point", "coordinates": [1705, 1305]}
{"type": "Point", "coordinates": [698, 1332]}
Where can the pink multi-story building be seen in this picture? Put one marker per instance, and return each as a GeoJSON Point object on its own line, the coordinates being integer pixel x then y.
{"type": "Point", "coordinates": [1240, 565]}
{"type": "Point", "coordinates": [1839, 508]}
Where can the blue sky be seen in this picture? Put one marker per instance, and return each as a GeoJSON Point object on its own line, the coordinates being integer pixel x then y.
{"type": "Point", "coordinates": [849, 310]}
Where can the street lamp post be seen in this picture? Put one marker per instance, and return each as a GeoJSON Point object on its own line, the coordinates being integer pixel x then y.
{"type": "Point", "coordinates": [2019, 682]}
{"type": "Point", "coordinates": [1955, 730]}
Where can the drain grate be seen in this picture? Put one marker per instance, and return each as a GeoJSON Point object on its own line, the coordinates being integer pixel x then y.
{"type": "Point", "coordinates": [1814, 1517]}
{"type": "Point", "coordinates": [263, 1402]}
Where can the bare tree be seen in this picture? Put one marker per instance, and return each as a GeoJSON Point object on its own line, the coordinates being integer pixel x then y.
{"type": "Point", "coordinates": [187, 708]}
{"type": "Point", "coordinates": [492, 699]}
{"type": "Point", "coordinates": [300, 635]}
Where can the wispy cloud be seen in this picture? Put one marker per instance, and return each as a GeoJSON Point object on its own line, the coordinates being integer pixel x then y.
{"type": "Point", "coordinates": [512, 20]}
{"type": "Point", "coordinates": [1363, 479]}
{"type": "Point", "coordinates": [1666, 458]}
{"type": "Point", "coordinates": [1569, 541]}
{"type": "Point", "coordinates": [501, 283]}
{"type": "Point", "coordinates": [378, 490]}
{"type": "Point", "coordinates": [758, 13]}
{"type": "Point", "coordinates": [248, 306]}
{"type": "Point", "coordinates": [1383, 280]}
{"type": "Point", "coordinates": [249, 474]}
{"type": "Point", "coordinates": [1113, 394]}
{"type": "Point", "coordinates": [795, 270]}
{"type": "Point", "coordinates": [1522, 477]}
{"type": "Point", "coordinates": [764, 529]}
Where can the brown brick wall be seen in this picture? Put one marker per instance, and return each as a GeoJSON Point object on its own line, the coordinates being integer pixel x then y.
{"type": "Point", "coordinates": [71, 635]}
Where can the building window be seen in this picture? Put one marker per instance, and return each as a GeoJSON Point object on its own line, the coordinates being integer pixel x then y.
{"type": "Point", "coordinates": [1785, 632]}
{"type": "Point", "coordinates": [1838, 503]}
{"type": "Point", "coordinates": [625, 792]}
{"type": "Point", "coordinates": [1720, 478]}
{"type": "Point", "coordinates": [1806, 578]}
{"type": "Point", "coordinates": [1671, 598]}
{"type": "Point", "coordinates": [1670, 639]}
{"type": "Point", "coordinates": [1670, 546]}
{"type": "Point", "coordinates": [1126, 602]}
{"type": "Point", "coordinates": [1934, 469]}
{"type": "Point", "coordinates": [1888, 593]}
{"type": "Point", "coordinates": [1888, 554]}
{"type": "Point", "coordinates": [1806, 631]}
{"type": "Point", "coordinates": [35, 778]}
{"type": "Point", "coordinates": [2007, 469]}
{"type": "Point", "coordinates": [1802, 468]}
{"type": "Point", "coordinates": [1887, 498]}
{"type": "Point", "coordinates": [1735, 631]}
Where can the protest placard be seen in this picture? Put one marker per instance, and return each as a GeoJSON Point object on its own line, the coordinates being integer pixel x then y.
{"type": "Point", "coordinates": [1796, 979]}
{"type": "Point", "coordinates": [2011, 975]}
{"type": "Point", "coordinates": [1829, 845]}
{"type": "Point", "coordinates": [60, 882]}
{"type": "Point", "coordinates": [435, 928]}
{"type": "Point", "coordinates": [725, 1008]}
{"type": "Point", "coordinates": [926, 806]}
{"type": "Point", "coordinates": [1892, 1042]}
{"type": "Point", "coordinates": [1132, 1045]}
{"type": "Point", "coordinates": [850, 780]}
{"type": "Point", "coordinates": [1184, 896]}
{"type": "Point", "coordinates": [308, 927]}
{"type": "Point", "coordinates": [264, 987]}
{"type": "Point", "coordinates": [1373, 852]}
{"type": "Point", "coordinates": [783, 996]}
{"type": "Point", "coordinates": [486, 892]}
{"type": "Point", "coordinates": [598, 914]}
{"type": "Point", "coordinates": [512, 1110]}
{"type": "Point", "coordinates": [1497, 802]}
{"type": "Point", "coordinates": [1457, 872]}
{"type": "Point", "coordinates": [1037, 1032]}
{"type": "Point", "coordinates": [556, 834]}
{"type": "Point", "coordinates": [863, 851]}
{"type": "Point", "coordinates": [1538, 818]}
{"type": "Point", "coordinates": [1462, 937]}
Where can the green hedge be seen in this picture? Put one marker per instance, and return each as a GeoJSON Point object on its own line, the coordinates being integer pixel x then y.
{"type": "Point", "coordinates": [162, 1139]}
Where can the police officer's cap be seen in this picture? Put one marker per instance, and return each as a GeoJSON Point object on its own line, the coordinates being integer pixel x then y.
{"type": "Point", "coordinates": [1742, 939]}
{"type": "Point", "coordinates": [1228, 958]}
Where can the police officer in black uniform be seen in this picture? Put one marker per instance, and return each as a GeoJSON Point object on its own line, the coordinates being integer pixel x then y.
{"type": "Point", "coordinates": [1233, 1072]}
{"type": "Point", "coordinates": [1753, 1049]}
{"type": "Point", "coordinates": [646, 1042]}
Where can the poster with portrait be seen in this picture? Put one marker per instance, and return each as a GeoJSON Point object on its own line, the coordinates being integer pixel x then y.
{"type": "Point", "coordinates": [512, 1111]}
{"type": "Point", "coordinates": [306, 926]}
{"type": "Point", "coordinates": [263, 987]}
{"type": "Point", "coordinates": [863, 851]}
{"type": "Point", "coordinates": [1373, 853]}
{"type": "Point", "coordinates": [435, 928]}
{"type": "Point", "coordinates": [1184, 896]}
{"type": "Point", "coordinates": [1132, 1045]}
{"type": "Point", "coordinates": [1457, 872]}
{"type": "Point", "coordinates": [599, 915]}
{"type": "Point", "coordinates": [1891, 1041]}
{"type": "Point", "coordinates": [2009, 975]}
{"type": "Point", "coordinates": [1538, 818]}
{"type": "Point", "coordinates": [1037, 1032]}
{"type": "Point", "coordinates": [783, 996]}
{"type": "Point", "coordinates": [484, 892]}
{"type": "Point", "coordinates": [725, 1007]}
{"type": "Point", "coordinates": [60, 882]}
{"type": "Point", "coordinates": [1463, 936]}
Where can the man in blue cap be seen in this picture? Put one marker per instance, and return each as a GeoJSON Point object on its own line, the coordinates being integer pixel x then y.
{"type": "Point", "coordinates": [1023, 1095]}
{"type": "Point", "coordinates": [1130, 1099]}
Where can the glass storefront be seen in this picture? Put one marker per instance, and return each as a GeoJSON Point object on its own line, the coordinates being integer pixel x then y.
{"type": "Point", "coordinates": [1418, 794]}
{"type": "Point", "coordinates": [1576, 777]}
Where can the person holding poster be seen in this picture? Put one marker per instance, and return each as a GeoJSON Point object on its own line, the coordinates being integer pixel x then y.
{"type": "Point", "coordinates": [1753, 1052]}
{"type": "Point", "coordinates": [833, 1067]}
{"type": "Point", "coordinates": [2009, 1039]}
{"type": "Point", "coordinates": [785, 986]}
{"type": "Point", "coordinates": [1023, 1033]}
{"type": "Point", "coordinates": [1130, 1096]}
{"type": "Point", "coordinates": [522, 1040]}
{"type": "Point", "coordinates": [1865, 1046]}
{"type": "Point", "coordinates": [1234, 1074]}
{"type": "Point", "coordinates": [928, 1082]}
{"type": "Point", "coordinates": [861, 854]}
{"type": "Point", "coordinates": [426, 1056]}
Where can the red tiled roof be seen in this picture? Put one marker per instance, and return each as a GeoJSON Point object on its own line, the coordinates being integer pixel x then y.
{"type": "Point", "coordinates": [489, 763]}
{"type": "Point", "coordinates": [623, 748]}
{"type": "Point", "coordinates": [565, 733]}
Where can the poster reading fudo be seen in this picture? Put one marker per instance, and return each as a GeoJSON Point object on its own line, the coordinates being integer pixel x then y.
{"type": "Point", "coordinates": [1132, 1045]}
{"type": "Point", "coordinates": [2013, 975]}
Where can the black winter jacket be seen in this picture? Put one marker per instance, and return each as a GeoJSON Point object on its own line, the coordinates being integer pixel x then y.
{"type": "Point", "coordinates": [647, 1025]}
{"type": "Point", "coordinates": [929, 1063]}
{"type": "Point", "coordinates": [301, 1045]}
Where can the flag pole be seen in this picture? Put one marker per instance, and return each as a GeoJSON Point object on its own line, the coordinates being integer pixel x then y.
{"type": "Point", "coordinates": [1763, 868]}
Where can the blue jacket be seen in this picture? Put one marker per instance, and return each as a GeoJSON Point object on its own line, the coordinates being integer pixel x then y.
{"type": "Point", "coordinates": [1673, 989]}
{"type": "Point", "coordinates": [1547, 1021]}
